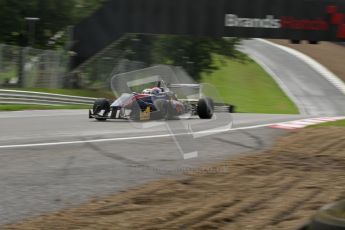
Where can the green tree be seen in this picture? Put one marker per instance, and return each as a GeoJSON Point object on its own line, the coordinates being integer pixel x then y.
{"type": "Point", "coordinates": [55, 16]}
{"type": "Point", "coordinates": [194, 54]}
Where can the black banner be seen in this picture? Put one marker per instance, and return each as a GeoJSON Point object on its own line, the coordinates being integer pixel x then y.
{"type": "Point", "coordinates": [313, 20]}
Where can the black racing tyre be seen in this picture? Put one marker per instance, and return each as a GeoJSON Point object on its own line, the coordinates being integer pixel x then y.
{"type": "Point", "coordinates": [99, 105]}
{"type": "Point", "coordinates": [331, 217]}
{"type": "Point", "coordinates": [205, 108]}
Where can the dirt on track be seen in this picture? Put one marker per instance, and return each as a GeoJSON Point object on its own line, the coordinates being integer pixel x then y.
{"type": "Point", "coordinates": [276, 189]}
{"type": "Point", "coordinates": [329, 54]}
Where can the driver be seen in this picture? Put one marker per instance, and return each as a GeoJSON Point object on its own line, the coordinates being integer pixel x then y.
{"type": "Point", "coordinates": [154, 91]}
{"type": "Point", "coordinates": [147, 91]}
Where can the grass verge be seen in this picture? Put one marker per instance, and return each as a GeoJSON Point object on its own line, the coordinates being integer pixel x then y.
{"type": "Point", "coordinates": [340, 123]}
{"type": "Point", "coordinates": [40, 107]}
{"type": "Point", "coordinates": [248, 87]}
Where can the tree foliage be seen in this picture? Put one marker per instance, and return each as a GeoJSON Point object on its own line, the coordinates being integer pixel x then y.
{"type": "Point", "coordinates": [55, 15]}
{"type": "Point", "coordinates": [194, 54]}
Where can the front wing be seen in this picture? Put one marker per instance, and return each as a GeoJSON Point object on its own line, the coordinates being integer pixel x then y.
{"type": "Point", "coordinates": [146, 115]}
{"type": "Point", "coordinates": [120, 113]}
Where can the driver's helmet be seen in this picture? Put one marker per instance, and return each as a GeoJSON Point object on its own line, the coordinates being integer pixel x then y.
{"type": "Point", "coordinates": [156, 90]}
{"type": "Point", "coordinates": [147, 91]}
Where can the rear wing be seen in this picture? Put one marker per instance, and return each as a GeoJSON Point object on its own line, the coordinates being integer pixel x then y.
{"type": "Point", "coordinates": [187, 92]}
{"type": "Point", "coordinates": [193, 92]}
{"type": "Point", "coordinates": [185, 85]}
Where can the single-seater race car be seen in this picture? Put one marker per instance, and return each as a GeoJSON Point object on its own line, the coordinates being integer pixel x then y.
{"type": "Point", "coordinates": [156, 103]}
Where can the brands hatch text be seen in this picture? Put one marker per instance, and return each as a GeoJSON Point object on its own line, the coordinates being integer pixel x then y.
{"type": "Point", "coordinates": [270, 22]}
{"type": "Point", "coordinates": [232, 20]}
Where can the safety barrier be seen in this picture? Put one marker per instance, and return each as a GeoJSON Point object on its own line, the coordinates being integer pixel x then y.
{"type": "Point", "coordinates": [38, 98]}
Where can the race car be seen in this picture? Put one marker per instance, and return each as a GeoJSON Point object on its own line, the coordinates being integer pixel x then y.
{"type": "Point", "coordinates": [154, 103]}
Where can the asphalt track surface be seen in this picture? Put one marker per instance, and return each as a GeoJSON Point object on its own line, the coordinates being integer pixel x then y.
{"type": "Point", "coordinates": [50, 160]}
{"type": "Point", "coordinates": [37, 179]}
{"type": "Point", "coordinates": [313, 94]}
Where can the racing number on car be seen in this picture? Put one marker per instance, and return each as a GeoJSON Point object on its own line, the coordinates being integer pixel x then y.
{"type": "Point", "coordinates": [146, 115]}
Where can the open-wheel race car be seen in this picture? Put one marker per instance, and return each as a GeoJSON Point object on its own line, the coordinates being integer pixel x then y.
{"type": "Point", "coordinates": [156, 103]}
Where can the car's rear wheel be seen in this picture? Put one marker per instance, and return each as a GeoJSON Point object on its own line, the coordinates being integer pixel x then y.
{"type": "Point", "coordinates": [101, 105]}
{"type": "Point", "coordinates": [205, 108]}
{"type": "Point", "coordinates": [162, 107]}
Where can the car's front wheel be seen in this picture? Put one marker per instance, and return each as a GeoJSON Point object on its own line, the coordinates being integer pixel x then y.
{"type": "Point", "coordinates": [99, 106]}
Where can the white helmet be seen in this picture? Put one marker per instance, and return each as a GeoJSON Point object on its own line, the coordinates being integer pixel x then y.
{"type": "Point", "coordinates": [156, 90]}
{"type": "Point", "coordinates": [147, 91]}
